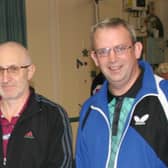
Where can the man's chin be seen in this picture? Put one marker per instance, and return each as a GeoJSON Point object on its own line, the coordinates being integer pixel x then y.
{"type": "Point", "coordinates": [8, 97]}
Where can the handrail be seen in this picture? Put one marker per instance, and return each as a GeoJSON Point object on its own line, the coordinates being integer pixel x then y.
{"type": "Point", "coordinates": [74, 119]}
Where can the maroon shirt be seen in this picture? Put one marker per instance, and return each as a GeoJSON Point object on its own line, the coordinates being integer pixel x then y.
{"type": "Point", "coordinates": [7, 128]}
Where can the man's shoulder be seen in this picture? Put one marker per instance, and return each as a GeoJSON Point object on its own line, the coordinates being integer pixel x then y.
{"type": "Point", "coordinates": [162, 84]}
{"type": "Point", "coordinates": [42, 99]}
{"type": "Point", "coordinates": [91, 101]}
{"type": "Point", "coordinates": [48, 105]}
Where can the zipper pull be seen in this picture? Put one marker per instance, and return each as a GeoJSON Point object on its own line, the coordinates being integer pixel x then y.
{"type": "Point", "coordinates": [4, 161]}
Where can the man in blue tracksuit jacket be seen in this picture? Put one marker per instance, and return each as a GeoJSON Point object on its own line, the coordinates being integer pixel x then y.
{"type": "Point", "coordinates": [143, 139]}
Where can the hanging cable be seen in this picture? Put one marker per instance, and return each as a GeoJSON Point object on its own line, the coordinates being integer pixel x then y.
{"type": "Point", "coordinates": [97, 17]}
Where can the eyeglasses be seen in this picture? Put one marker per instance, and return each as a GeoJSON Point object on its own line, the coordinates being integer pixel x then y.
{"type": "Point", "coordinates": [118, 50]}
{"type": "Point", "coordinates": [13, 69]}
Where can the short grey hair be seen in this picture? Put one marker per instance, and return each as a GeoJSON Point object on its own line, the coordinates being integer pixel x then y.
{"type": "Point", "coordinates": [112, 23]}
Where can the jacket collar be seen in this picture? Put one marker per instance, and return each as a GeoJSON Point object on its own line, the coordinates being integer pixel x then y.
{"type": "Point", "coordinates": [33, 106]}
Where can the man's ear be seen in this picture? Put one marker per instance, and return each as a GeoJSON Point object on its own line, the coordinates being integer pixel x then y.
{"type": "Point", "coordinates": [94, 57]}
{"type": "Point", "coordinates": [138, 49]}
{"type": "Point", "coordinates": [31, 71]}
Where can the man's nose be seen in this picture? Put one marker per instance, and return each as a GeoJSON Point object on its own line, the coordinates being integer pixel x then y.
{"type": "Point", "coordinates": [5, 75]}
{"type": "Point", "coordinates": [112, 55]}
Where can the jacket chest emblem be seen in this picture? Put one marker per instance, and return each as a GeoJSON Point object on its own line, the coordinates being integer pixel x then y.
{"type": "Point", "coordinates": [141, 120]}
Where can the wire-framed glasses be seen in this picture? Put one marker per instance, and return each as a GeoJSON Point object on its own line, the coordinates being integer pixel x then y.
{"type": "Point", "coordinates": [13, 69]}
{"type": "Point", "coordinates": [118, 50]}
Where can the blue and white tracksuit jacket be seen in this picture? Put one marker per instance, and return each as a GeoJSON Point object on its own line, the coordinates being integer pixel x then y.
{"type": "Point", "coordinates": [144, 142]}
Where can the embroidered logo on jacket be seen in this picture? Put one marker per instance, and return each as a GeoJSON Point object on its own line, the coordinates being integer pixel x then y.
{"type": "Point", "coordinates": [141, 120]}
{"type": "Point", "coordinates": [29, 135]}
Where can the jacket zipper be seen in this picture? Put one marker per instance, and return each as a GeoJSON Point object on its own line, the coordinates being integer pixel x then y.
{"type": "Point", "coordinates": [4, 161]}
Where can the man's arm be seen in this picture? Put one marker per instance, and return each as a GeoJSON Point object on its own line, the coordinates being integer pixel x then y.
{"type": "Point", "coordinates": [60, 142]}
